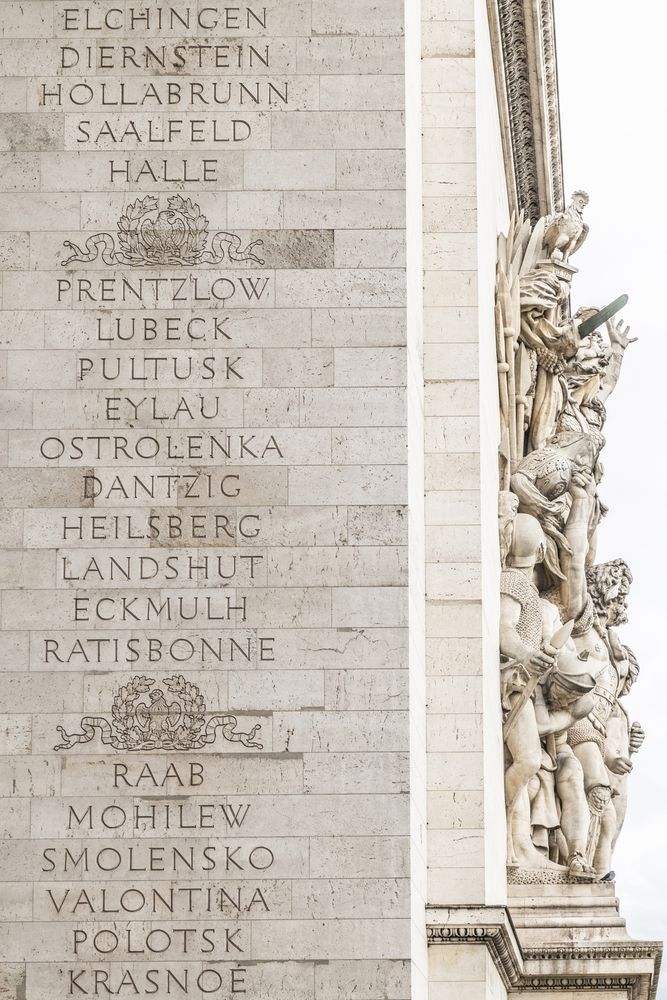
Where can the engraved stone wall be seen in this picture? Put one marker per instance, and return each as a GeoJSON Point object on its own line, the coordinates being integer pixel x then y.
{"type": "Point", "coordinates": [204, 729]}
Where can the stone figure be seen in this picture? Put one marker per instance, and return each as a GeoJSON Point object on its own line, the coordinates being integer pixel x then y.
{"type": "Point", "coordinates": [566, 231]}
{"type": "Point", "coordinates": [543, 482]}
{"type": "Point", "coordinates": [548, 341]}
{"type": "Point", "coordinates": [508, 507]}
{"type": "Point", "coordinates": [535, 650]}
{"type": "Point", "coordinates": [622, 740]}
{"type": "Point", "coordinates": [596, 599]}
{"type": "Point", "coordinates": [564, 670]}
{"type": "Point", "coordinates": [592, 375]}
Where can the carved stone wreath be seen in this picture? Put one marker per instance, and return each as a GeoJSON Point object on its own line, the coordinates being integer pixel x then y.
{"type": "Point", "coordinates": [144, 719]}
{"type": "Point", "coordinates": [148, 237]}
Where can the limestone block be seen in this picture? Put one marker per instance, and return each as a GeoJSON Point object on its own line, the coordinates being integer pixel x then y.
{"type": "Point", "coordinates": [454, 694]}
{"type": "Point", "coordinates": [376, 648]}
{"type": "Point", "coordinates": [298, 367]}
{"type": "Point", "coordinates": [16, 901]}
{"type": "Point", "coordinates": [370, 366]}
{"type": "Point", "coordinates": [355, 772]}
{"type": "Point", "coordinates": [339, 731]}
{"type": "Point", "coordinates": [348, 484]}
{"type": "Point", "coordinates": [450, 399]}
{"type": "Point", "coordinates": [368, 248]}
{"type": "Point", "coordinates": [447, 213]}
{"type": "Point", "coordinates": [349, 690]}
{"type": "Point", "coordinates": [39, 211]}
{"type": "Point", "coordinates": [458, 288]}
{"type": "Point", "coordinates": [352, 445]}
{"type": "Point", "coordinates": [15, 733]}
{"type": "Point", "coordinates": [15, 409]}
{"type": "Point", "coordinates": [454, 657]}
{"type": "Point", "coordinates": [371, 407]}
{"type": "Point", "coordinates": [333, 129]}
{"type": "Point", "coordinates": [358, 857]}
{"type": "Point", "coordinates": [272, 407]}
{"type": "Point", "coordinates": [350, 54]}
{"type": "Point", "coordinates": [21, 329]}
{"type": "Point", "coordinates": [344, 210]}
{"type": "Point", "coordinates": [452, 471]}
{"type": "Point", "coordinates": [452, 507]}
{"type": "Point", "coordinates": [447, 324]}
{"type": "Point", "coordinates": [290, 170]}
{"type": "Point", "coordinates": [13, 94]}
{"type": "Point", "coordinates": [447, 38]}
{"type": "Point", "coordinates": [14, 648]}
{"type": "Point", "coordinates": [348, 17]}
{"type": "Point", "coordinates": [18, 172]}
{"type": "Point", "coordinates": [275, 690]}
{"type": "Point", "coordinates": [443, 179]}
{"type": "Point", "coordinates": [23, 132]}
{"type": "Point", "coordinates": [354, 938]}
{"type": "Point", "coordinates": [450, 732]}
{"type": "Point", "coordinates": [377, 525]}
{"type": "Point", "coordinates": [447, 110]}
{"type": "Point", "coordinates": [358, 327]}
{"type": "Point", "coordinates": [448, 10]}
{"type": "Point", "coordinates": [455, 619]}
{"type": "Point", "coordinates": [369, 606]}
{"type": "Point", "coordinates": [387, 980]}
{"type": "Point", "coordinates": [29, 776]}
{"type": "Point", "coordinates": [456, 809]}
{"type": "Point", "coordinates": [362, 93]}
{"type": "Point", "coordinates": [379, 168]}
{"type": "Point", "coordinates": [344, 898]}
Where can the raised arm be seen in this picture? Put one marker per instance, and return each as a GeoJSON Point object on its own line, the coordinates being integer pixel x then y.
{"type": "Point", "coordinates": [619, 338]}
{"type": "Point", "coordinates": [574, 592]}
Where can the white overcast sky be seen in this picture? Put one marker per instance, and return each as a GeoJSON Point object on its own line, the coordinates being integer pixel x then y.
{"type": "Point", "coordinates": [613, 87]}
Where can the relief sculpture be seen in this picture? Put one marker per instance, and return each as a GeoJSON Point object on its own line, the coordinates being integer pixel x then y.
{"type": "Point", "coordinates": [564, 668]}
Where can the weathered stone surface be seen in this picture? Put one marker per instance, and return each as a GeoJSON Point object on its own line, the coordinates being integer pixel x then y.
{"type": "Point", "coordinates": [204, 734]}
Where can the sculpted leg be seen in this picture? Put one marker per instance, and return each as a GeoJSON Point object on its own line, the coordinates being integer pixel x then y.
{"type": "Point", "coordinates": [620, 803]}
{"type": "Point", "coordinates": [523, 743]}
{"type": "Point", "coordinates": [606, 840]}
{"type": "Point", "coordinates": [575, 815]}
{"type": "Point", "coordinates": [598, 794]}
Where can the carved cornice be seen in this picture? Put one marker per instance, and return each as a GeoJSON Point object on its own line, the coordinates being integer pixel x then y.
{"type": "Point", "coordinates": [527, 85]}
{"type": "Point", "coordinates": [493, 928]}
{"type": "Point", "coordinates": [499, 938]}
{"type": "Point", "coordinates": [552, 101]}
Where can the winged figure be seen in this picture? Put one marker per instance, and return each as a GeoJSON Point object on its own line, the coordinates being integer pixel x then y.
{"type": "Point", "coordinates": [566, 231]}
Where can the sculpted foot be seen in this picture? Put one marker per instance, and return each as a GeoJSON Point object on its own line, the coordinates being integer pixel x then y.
{"type": "Point", "coordinates": [580, 869]}
{"type": "Point", "coordinates": [528, 856]}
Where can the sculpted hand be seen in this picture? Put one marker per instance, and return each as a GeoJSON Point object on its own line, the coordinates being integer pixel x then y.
{"type": "Point", "coordinates": [582, 484]}
{"type": "Point", "coordinates": [637, 737]}
{"type": "Point", "coordinates": [540, 662]}
{"type": "Point", "coordinates": [621, 765]}
{"type": "Point", "coordinates": [619, 334]}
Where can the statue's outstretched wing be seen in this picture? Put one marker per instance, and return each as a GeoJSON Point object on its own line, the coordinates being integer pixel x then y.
{"type": "Point", "coordinates": [142, 716]}
{"type": "Point", "coordinates": [582, 238]}
{"type": "Point", "coordinates": [174, 714]}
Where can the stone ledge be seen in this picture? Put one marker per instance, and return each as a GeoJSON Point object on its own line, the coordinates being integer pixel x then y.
{"type": "Point", "coordinates": [631, 967]}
